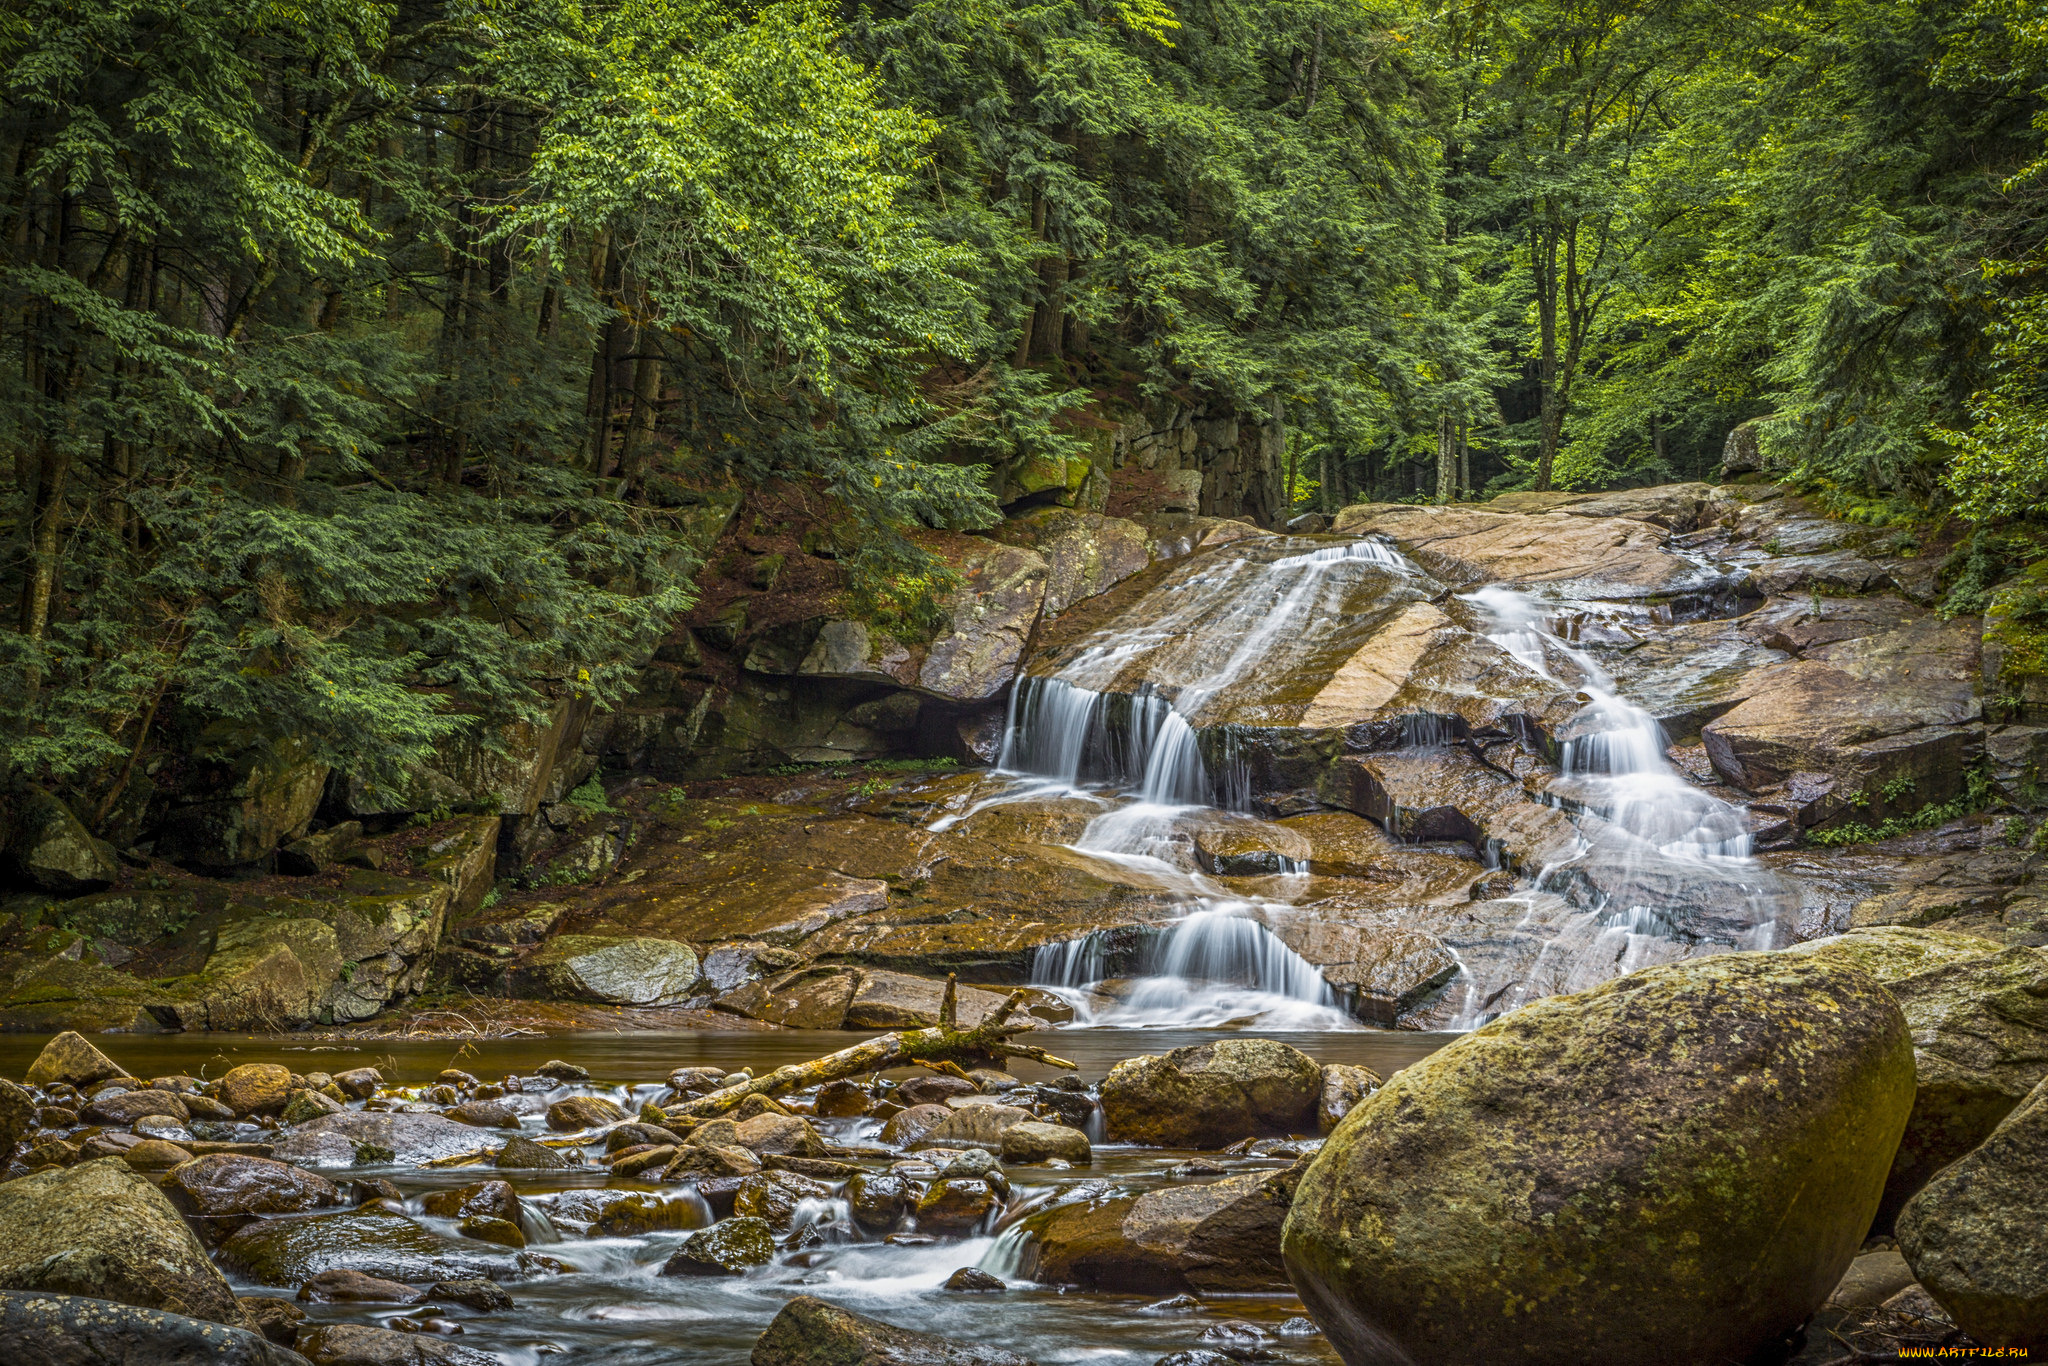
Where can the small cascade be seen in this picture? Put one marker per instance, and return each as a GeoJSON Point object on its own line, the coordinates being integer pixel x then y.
{"type": "Point", "coordinates": [1662, 870]}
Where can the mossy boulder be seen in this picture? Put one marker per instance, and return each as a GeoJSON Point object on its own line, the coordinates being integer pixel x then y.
{"type": "Point", "coordinates": [101, 1229]}
{"type": "Point", "coordinates": [1681, 1161]}
{"type": "Point", "coordinates": [1213, 1094]}
{"type": "Point", "coordinates": [730, 1247]}
{"type": "Point", "coordinates": [222, 1192]}
{"type": "Point", "coordinates": [72, 1059]}
{"type": "Point", "coordinates": [1980, 1045]}
{"type": "Point", "coordinates": [1892, 953]}
{"type": "Point", "coordinates": [810, 1332]}
{"type": "Point", "coordinates": [243, 798]}
{"type": "Point", "coordinates": [1977, 1234]}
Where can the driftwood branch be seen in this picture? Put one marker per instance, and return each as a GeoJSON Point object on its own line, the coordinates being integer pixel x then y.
{"type": "Point", "coordinates": [939, 1048]}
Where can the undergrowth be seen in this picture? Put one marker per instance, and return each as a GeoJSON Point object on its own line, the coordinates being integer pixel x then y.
{"type": "Point", "coordinates": [1975, 796]}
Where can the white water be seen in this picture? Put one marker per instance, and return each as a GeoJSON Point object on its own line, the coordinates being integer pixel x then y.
{"type": "Point", "coordinates": [1652, 848]}
{"type": "Point", "coordinates": [1643, 828]}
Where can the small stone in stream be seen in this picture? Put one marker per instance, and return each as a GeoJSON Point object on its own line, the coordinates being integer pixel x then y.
{"type": "Point", "coordinates": [1034, 1142]}
{"type": "Point", "coordinates": [905, 1129]}
{"type": "Point", "coordinates": [205, 1107]}
{"type": "Point", "coordinates": [931, 1090]}
{"type": "Point", "coordinates": [696, 1081]}
{"type": "Point", "coordinates": [973, 1278]}
{"type": "Point", "coordinates": [163, 1127]}
{"type": "Point", "coordinates": [53, 1116]}
{"type": "Point", "coordinates": [1298, 1327]}
{"type": "Point", "coordinates": [113, 1143]}
{"type": "Point", "coordinates": [1283, 1149]}
{"type": "Point", "coordinates": [956, 1204]}
{"type": "Point", "coordinates": [486, 1229]}
{"type": "Point", "coordinates": [1178, 1304]}
{"type": "Point", "coordinates": [722, 1160]}
{"type": "Point", "coordinates": [353, 1344]}
{"type": "Point", "coordinates": [492, 1199]}
{"type": "Point", "coordinates": [1344, 1085]}
{"type": "Point", "coordinates": [715, 1133]}
{"type": "Point", "coordinates": [1195, 1167]}
{"type": "Point", "coordinates": [809, 1331]}
{"type": "Point", "coordinates": [728, 1248]}
{"type": "Point", "coordinates": [786, 1135]}
{"type": "Point", "coordinates": [1196, 1357]}
{"type": "Point", "coordinates": [1072, 1108]}
{"type": "Point", "coordinates": [627, 1135]}
{"type": "Point", "coordinates": [484, 1114]}
{"type": "Point", "coordinates": [360, 1082]}
{"type": "Point", "coordinates": [805, 1237]}
{"type": "Point", "coordinates": [910, 1240]}
{"type": "Point", "coordinates": [155, 1155]}
{"type": "Point", "coordinates": [307, 1105]}
{"type": "Point", "coordinates": [646, 1159]}
{"type": "Point", "coordinates": [365, 1189]}
{"type": "Point", "coordinates": [125, 1107]}
{"type": "Point", "coordinates": [338, 1285]}
{"type": "Point", "coordinates": [455, 1076]}
{"type": "Point", "coordinates": [276, 1319]}
{"type": "Point", "coordinates": [753, 1107]}
{"type": "Point", "coordinates": [978, 1126]}
{"type": "Point", "coordinates": [878, 1199]}
{"type": "Point", "coordinates": [557, 1070]}
{"type": "Point", "coordinates": [428, 1324]}
{"type": "Point", "coordinates": [70, 1058]}
{"type": "Point", "coordinates": [972, 1162]}
{"type": "Point", "coordinates": [42, 1329]}
{"type": "Point", "coordinates": [255, 1088]}
{"type": "Point", "coordinates": [992, 1082]}
{"type": "Point", "coordinates": [582, 1112]}
{"type": "Point", "coordinates": [441, 1095]}
{"type": "Point", "coordinates": [774, 1196]}
{"type": "Point", "coordinates": [533, 1263]}
{"type": "Point", "coordinates": [841, 1100]}
{"type": "Point", "coordinates": [1237, 1339]}
{"type": "Point", "coordinates": [523, 1154]}
{"type": "Point", "coordinates": [480, 1295]}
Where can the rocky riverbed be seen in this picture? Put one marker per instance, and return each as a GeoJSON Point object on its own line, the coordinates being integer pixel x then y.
{"type": "Point", "coordinates": [1770, 1156]}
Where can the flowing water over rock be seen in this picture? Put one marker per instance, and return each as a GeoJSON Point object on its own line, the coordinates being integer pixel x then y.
{"type": "Point", "coordinates": [1164, 716]}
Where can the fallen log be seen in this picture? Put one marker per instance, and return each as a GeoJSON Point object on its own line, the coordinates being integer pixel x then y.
{"type": "Point", "coordinates": [940, 1047]}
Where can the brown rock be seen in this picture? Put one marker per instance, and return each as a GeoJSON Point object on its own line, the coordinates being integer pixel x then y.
{"type": "Point", "coordinates": [485, 1229]}
{"type": "Point", "coordinates": [905, 1129]}
{"type": "Point", "coordinates": [841, 1100]}
{"type": "Point", "coordinates": [276, 1319]}
{"type": "Point", "coordinates": [494, 1199]}
{"type": "Point", "coordinates": [786, 1135]}
{"type": "Point", "coordinates": [810, 1332]}
{"type": "Point", "coordinates": [339, 1286]}
{"type": "Point", "coordinates": [484, 1114]}
{"type": "Point", "coordinates": [155, 1155]}
{"type": "Point", "coordinates": [974, 1126]}
{"type": "Point", "coordinates": [1213, 1094]}
{"type": "Point", "coordinates": [774, 1196]}
{"type": "Point", "coordinates": [220, 1193]}
{"type": "Point", "coordinates": [71, 1059]}
{"type": "Point", "coordinates": [256, 1088]}
{"type": "Point", "coordinates": [956, 1205]}
{"type": "Point", "coordinates": [583, 1112]}
{"type": "Point", "coordinates": [125, 1107]}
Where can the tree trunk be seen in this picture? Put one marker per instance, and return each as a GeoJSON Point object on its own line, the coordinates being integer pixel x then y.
{"type": "Point", "coordinates": [1465, 459]}
{"type": "Point", "coordinates": [1543, 264]}
{"type": "Point", "coordinates": [1446, 459]}
{"type": "Point", "coordinates": [633, 452]}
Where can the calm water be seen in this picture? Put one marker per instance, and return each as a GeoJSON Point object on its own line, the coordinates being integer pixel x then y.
{"type": "Point", "coordinates": [611, 1307]}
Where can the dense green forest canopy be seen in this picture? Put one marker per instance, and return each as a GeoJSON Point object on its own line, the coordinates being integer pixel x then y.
{"type": "Point", "coordinates": [368, 365]}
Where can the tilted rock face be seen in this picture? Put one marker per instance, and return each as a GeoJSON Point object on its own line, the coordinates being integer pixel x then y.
{"type": "Point", "coordinates": [71, 1058]}
{"type": "Point", "coordinates": [1687, 1156]}
{"type": "Point", "coordinates": [43, 844]}
{"type": "Point", "coordinates": [1977, 1235]}
{"type": "Point", "coordinates": [635, 971]}
{"type": "Point", "coordinates": [250, 797]}
{"type": "Point", "coordinates": [1085, 553]}
{"type": "Point", "coordinates": [1213, 1094]}
{"type": "Point", "coordinates": [100, 1229]}
{"type": "Point", "coordinates": [1980, 1045]}
{"type": "Point", "coordinates": [990, 617]}
{"type": "Point", "coordinates": [1891, 953]}
{"type": "Point", "coordinates": [1213, 1236]}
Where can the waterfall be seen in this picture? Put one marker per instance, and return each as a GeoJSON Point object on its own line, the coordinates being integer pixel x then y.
{"type": "Point", "coordinates": [1661, 869]}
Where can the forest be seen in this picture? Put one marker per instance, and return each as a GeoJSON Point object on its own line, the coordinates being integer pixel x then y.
{"type": "Point", "coordinates": [366, 364]}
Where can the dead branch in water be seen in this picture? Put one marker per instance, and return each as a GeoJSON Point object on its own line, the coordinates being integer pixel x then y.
{"type": "Point", "coordinates": [941, 1048]}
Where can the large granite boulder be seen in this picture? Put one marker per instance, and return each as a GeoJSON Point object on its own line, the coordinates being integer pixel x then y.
{"type": "Point", "coordinates": [611, 970]}
{"type": "Point", "coordinates": [244, 797]}
{"type": "Point", "coordinates": [41, 1329]}
{"type": "Point", "coordinates": [1213, 1094]}
{"type": "Point", "coordinates": [989, 617]}
{"type": "Point", "coordinates": [1085, 553]}
{"type": "Point", "coordinates": [1891, 953]}
{"type": "Point", "coordinates": [102, 1230]}
{"type": "Point", "coordinates": [1980, 1045]}
{"type": "Point", "coordinates": [811, 1332]}
{"type": "Point", "coordinates": [71, 1058]}
{"type": "Point", "coordinates": [1687, 1156]}
{"type": "Point", "coordinates": [1977, 1234]}
{"type": "Point", "coordinates": [222, 1192]}
{"type": "Point", "coordinates": [45, 846]}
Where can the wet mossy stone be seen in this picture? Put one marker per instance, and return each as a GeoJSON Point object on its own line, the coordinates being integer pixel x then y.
{"type": "Point", "coordinates": [70, 1058]}
{"type": "Point", "coordinates": [100, 1229]}
{"type": "Point", "coordinates": [730, 1247]}
{"type": "Point", "coordinates": [364, 1138]}
{"type": "Point", "coordinates": [1682, 1161]}
{"type": "Point", "coordinates": [1212, 1094]}
{"type": "Point", "coordinates": [371, 1240]}
{"type": "Point", "coordinates": [810, 1332]}
{"type": "Point", "coordinates": [42, 1329]}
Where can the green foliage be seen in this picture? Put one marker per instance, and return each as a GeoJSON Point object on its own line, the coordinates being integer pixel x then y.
{"type": "Point", "coordinates": [591, 799]}
{"type": "Point", "coordinates": [1974, 797]}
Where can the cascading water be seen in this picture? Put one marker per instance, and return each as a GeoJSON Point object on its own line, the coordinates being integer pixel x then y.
{"type": "Point", "coordinates": [1661, 869]}
{"type": "Point", "coordinates": [1218, 964]}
